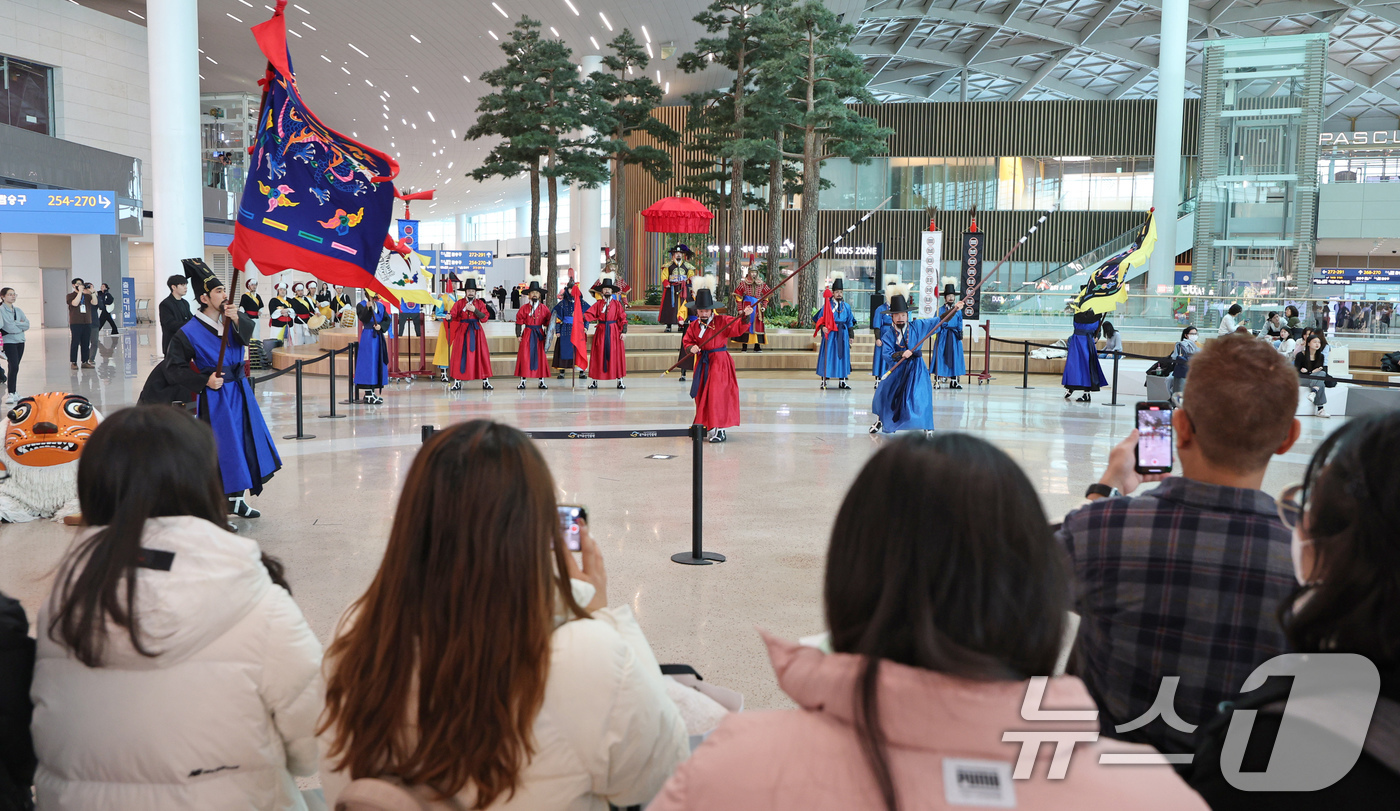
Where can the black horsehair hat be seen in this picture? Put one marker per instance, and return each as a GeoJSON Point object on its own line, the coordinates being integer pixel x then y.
{"type": "Point", "coordinates": [607, 281]}
{"type": "Point", "coordinates": [836, 281]}
{"type": "Point", "coordinates": [681, 247]}
{"type": "Point", "coordinates": [948, 288]}
{"type": "Point", "coordinates": [202, 279]}
{"type": "Point", "coordinates": [897, 297]}
{"type": "Point", "coordinates": [705, 291]}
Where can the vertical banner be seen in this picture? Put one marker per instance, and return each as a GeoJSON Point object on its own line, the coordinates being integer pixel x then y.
{"type": "Point", "coordinates": [408, 231]}
{"type": "Point", "coordinates": [128, 301]}
{"type": "Point", "coordinates": [972, 274]}
{"type": "Point", "coordinates": [930, 263]}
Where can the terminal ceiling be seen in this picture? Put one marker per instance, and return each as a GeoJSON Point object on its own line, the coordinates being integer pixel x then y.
{"type": "Point", "coordinates": [403, 77]}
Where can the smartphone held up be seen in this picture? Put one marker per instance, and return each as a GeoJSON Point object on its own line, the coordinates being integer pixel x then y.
{"type": "Point", "coordinates": [1155, 440]}
{"type": "Point", "coordinates": [569, 517]}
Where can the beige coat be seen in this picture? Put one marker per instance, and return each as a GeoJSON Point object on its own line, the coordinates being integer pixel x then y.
{"type": "Point", "coordinates": [607, 732]}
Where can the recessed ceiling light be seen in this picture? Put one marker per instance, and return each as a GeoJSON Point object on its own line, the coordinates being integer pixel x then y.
{"type": "Point", "coordinates": [415, 90]}
{"type": "Point", "coordinates": [605, 20]}
{"type": "Point", "coordinates": [493, 35]}
{"type": "Point", "coordinates": [404, 121]}
{"type": "Point", "coordinates": [454, 133]}
{"type": "Point", "coordinates": [468, 78]}
{"type": "Point", "coordinates": [386, 94]}
{"type": "Point", "coordinates": [308, 25]}
{"type": "Point", "coordinates": [449, 164]}
{"type": "Point", "coordinates": [554, 31]}
{"type": "Point", "coordinates": [503, 11]}
{"type": "Point", "coordinates": [434, 140]}
{"type": "Point", "coordinates": [299, 8]}
{"type": "Point", "coordinates": [211, 60]}
{"type": "Point", "coordinates": [649, 53]}
{"type": "Point", "coordinates": [246, 3]}
{"type": "Point", "coordinates": [595, 45]}
{"type": "Point", "coordinates": [294, 33]}
{"type": "Point", "coordinates": [646, 34]}
{"type": "Point", "coordinates": [571, 7]}
{"type": "Point", "coordinates": [385, 106]}
{"type": "Point", "coordinates": [415, 126]}
{"type": "Point", "coordinates": [386, 127]}
{"type": "Point", "coordinates": [327, 58]}
{"type": "Point", "coordinates": [386, 116]}
{"type": "Point", "coordinates": [430, 118]}
{"type": "Point", "coordinates": [415, 39]}
{"type": "Point", "coordinates": [368, 82]}
{"type": "Point", "coordinates": [658, 76]}
{"type": "Point", "coordinates": [134, 14]}
{"type": "Point", "coordinates": [354, 135]}
{"type": "Point", "coordinates": [449, 180]}
{"type": "Point", "coordinates": [231, 17]}
{"type": "Point", "coordinates": [668, 88]}
{"type": "Point", "coordinates": [347, 73]}
{"type": "Point", "coordinates": [358, 51]}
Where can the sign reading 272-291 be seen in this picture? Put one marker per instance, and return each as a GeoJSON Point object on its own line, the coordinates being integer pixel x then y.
{"type": "Point", "coordinates": [57, 211]}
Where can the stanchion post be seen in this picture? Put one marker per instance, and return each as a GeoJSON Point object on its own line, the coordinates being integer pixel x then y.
{"type": "Point", "coordinates": [301, 433]}
{"type": "Point", "coordinates": [331, 374]}
{"type": "Point", "coordinates": [1114, 401]}
{"type": "Point", "coordinates": [697, 556]}
{"type": "Point", "coordinates": [354, 397]}
{"type": "Point", "coordinates": [1025, 366]}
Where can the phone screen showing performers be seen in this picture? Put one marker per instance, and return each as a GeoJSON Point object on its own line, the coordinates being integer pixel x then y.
{"type": "Point", "coordinates": [1154, 445]}
{"type": "Point", "coordinates": [569, 517]}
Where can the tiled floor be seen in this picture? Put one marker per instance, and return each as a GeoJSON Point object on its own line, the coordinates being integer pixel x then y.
{"type": "Point", "coordinates": [771, 492]}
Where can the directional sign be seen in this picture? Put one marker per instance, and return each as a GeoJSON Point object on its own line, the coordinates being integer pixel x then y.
{"type": "Point", "coordinates": [1356, 275]}
{"type": "Point", "coordinates": [457, 261]}
{"type": "Point", "coordinates": [49, 211]}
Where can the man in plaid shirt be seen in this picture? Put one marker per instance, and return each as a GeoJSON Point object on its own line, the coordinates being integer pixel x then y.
{"type": "Point", "coordinates": [1186, 580]}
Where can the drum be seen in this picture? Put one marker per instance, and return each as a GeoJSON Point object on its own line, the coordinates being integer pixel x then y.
{"type": "Point", "coordinates": [347, 319]}
{"type": "Point", "coordinates": [319, 322]}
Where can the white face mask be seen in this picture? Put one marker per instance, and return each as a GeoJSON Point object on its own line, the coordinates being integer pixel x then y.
{"type": "Point", "coordinates": [1296, 548]}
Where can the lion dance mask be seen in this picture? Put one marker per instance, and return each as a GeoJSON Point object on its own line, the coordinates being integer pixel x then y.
{"type": "Point", "coordinates": [44, 436]}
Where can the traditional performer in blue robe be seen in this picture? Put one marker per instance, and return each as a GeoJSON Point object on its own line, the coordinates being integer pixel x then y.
{"type": "Point", "coordinates": [948, 350]}
{"type": "Point", "coordinates": [223, 398]}
{"type": "Point", "coordinates": [563, 359]}
{"type": "Point", "coordinates": [1082, 370]}
{"type": "Point", "coordinates": [372, 358]}
{"type": "Point", "coordinates": [835, 321]}
{"type": "Point", "coordinates": [1100, 295]}
{"type": "Point", "coordinates": [905, 401]}
{"type": "Point", "coordinates": [879, 319]}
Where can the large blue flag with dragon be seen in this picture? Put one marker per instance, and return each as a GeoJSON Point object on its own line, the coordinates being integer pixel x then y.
{"type": "Point", "coordinates": [315, 200]}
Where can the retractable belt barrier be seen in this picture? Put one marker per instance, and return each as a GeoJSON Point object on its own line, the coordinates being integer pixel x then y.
{"type": "Point", "coordinates": [697, 556]}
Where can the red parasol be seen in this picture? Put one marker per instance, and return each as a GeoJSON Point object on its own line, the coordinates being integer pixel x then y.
{"type": "Point", "coordinates": [678, 215]}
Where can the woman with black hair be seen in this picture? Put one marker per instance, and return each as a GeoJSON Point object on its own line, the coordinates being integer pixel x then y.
{"type": "Point", "coordinates": [1346, 556]}
{"type": "Point", "coordinates": [1229, 321]}
{"type": "Point", "coordinates": [174, 670]}
{"type": "Point", "coordinates": [1311, 362]}
{"type": "Point", "coordinates": [947, 616]}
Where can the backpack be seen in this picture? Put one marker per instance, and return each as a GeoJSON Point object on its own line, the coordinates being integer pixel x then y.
{"type": "Point", "coordinates": [1391, 362]}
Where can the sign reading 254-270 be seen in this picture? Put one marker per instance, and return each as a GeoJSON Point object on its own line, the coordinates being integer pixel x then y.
{"type": "Point", "coordinates": [53, 211]}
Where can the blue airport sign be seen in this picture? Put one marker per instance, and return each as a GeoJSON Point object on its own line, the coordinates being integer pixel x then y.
{"type": "Point", "coordinates": [458, 261]}
{"type": "Point", "coordinates": [53, 211]}
{"type": "Point", "coordinates": [1356, 276]}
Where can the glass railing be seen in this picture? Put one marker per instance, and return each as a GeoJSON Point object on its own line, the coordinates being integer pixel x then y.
{"type": "Point", "coordinates": [1162, 316]}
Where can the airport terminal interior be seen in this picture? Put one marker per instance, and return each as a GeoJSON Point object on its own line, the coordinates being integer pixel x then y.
{"type": "Point", "coordinates": [1018, 220]}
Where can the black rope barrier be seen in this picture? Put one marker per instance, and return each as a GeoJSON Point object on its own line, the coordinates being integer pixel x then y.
{"type": "Point", "coordinates": [1353, 381]}
{"type": "Point", "coordinates": [331, 374]}
{"type": "Point", "coordinates": [696, 556]}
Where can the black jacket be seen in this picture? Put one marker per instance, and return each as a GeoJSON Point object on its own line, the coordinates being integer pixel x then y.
{"type": "Point", "coordinates": [174, 312]}
{"type": "Point", "coordinates": [17, 759]}
{"type": "Point", "coordinates": [1369, 784]}
{"type": "Point", "coordinates": [173, 380]}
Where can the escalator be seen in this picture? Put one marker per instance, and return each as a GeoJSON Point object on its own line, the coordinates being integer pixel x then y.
{"type": "Point", "coordinates": [1050, 290]}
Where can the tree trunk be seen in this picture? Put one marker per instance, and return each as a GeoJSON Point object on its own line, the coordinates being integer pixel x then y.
{"type": "Point", "coordinates": [552, 259]}
{"type": "Point", "coordinates": [811, 280]}
{"type": "Point", "coordinates": [775, 213]}
{"type": "Point", "coordinates": [735, 234]}
{"type": "Point", "coordinates": [617, 193]}
{"type": "Point", "coordinates": [535, 216]}
{"type": "Point", "coordinates": [810, 283]}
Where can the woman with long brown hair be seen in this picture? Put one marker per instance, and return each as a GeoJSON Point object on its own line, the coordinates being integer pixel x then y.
{"type": "Point", "coordinates": [483, 662]}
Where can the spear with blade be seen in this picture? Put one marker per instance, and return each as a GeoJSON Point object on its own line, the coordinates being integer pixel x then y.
{"type": "Point", "coordinates": [833, 243]}
{"type": "Point", "coordinates": [946, 317]}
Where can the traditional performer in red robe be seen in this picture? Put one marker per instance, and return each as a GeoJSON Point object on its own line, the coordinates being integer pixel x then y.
{"type": "Point", "coordinates": [751, 293]}
{"type": "Point", "coordinates": [607, 356]}
{"type": "Point", "coordinates": [532, 327]}
{"type": "Point", "coordinates": [715, 389]}
{"type": "Point", "coordinates": [471, 357]}
{"type": "Point", "coordinates": [675, 286]}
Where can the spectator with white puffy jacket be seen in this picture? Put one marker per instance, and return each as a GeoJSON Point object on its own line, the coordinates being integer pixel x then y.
{"type": "Point", "coordinates": [174, 671]}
